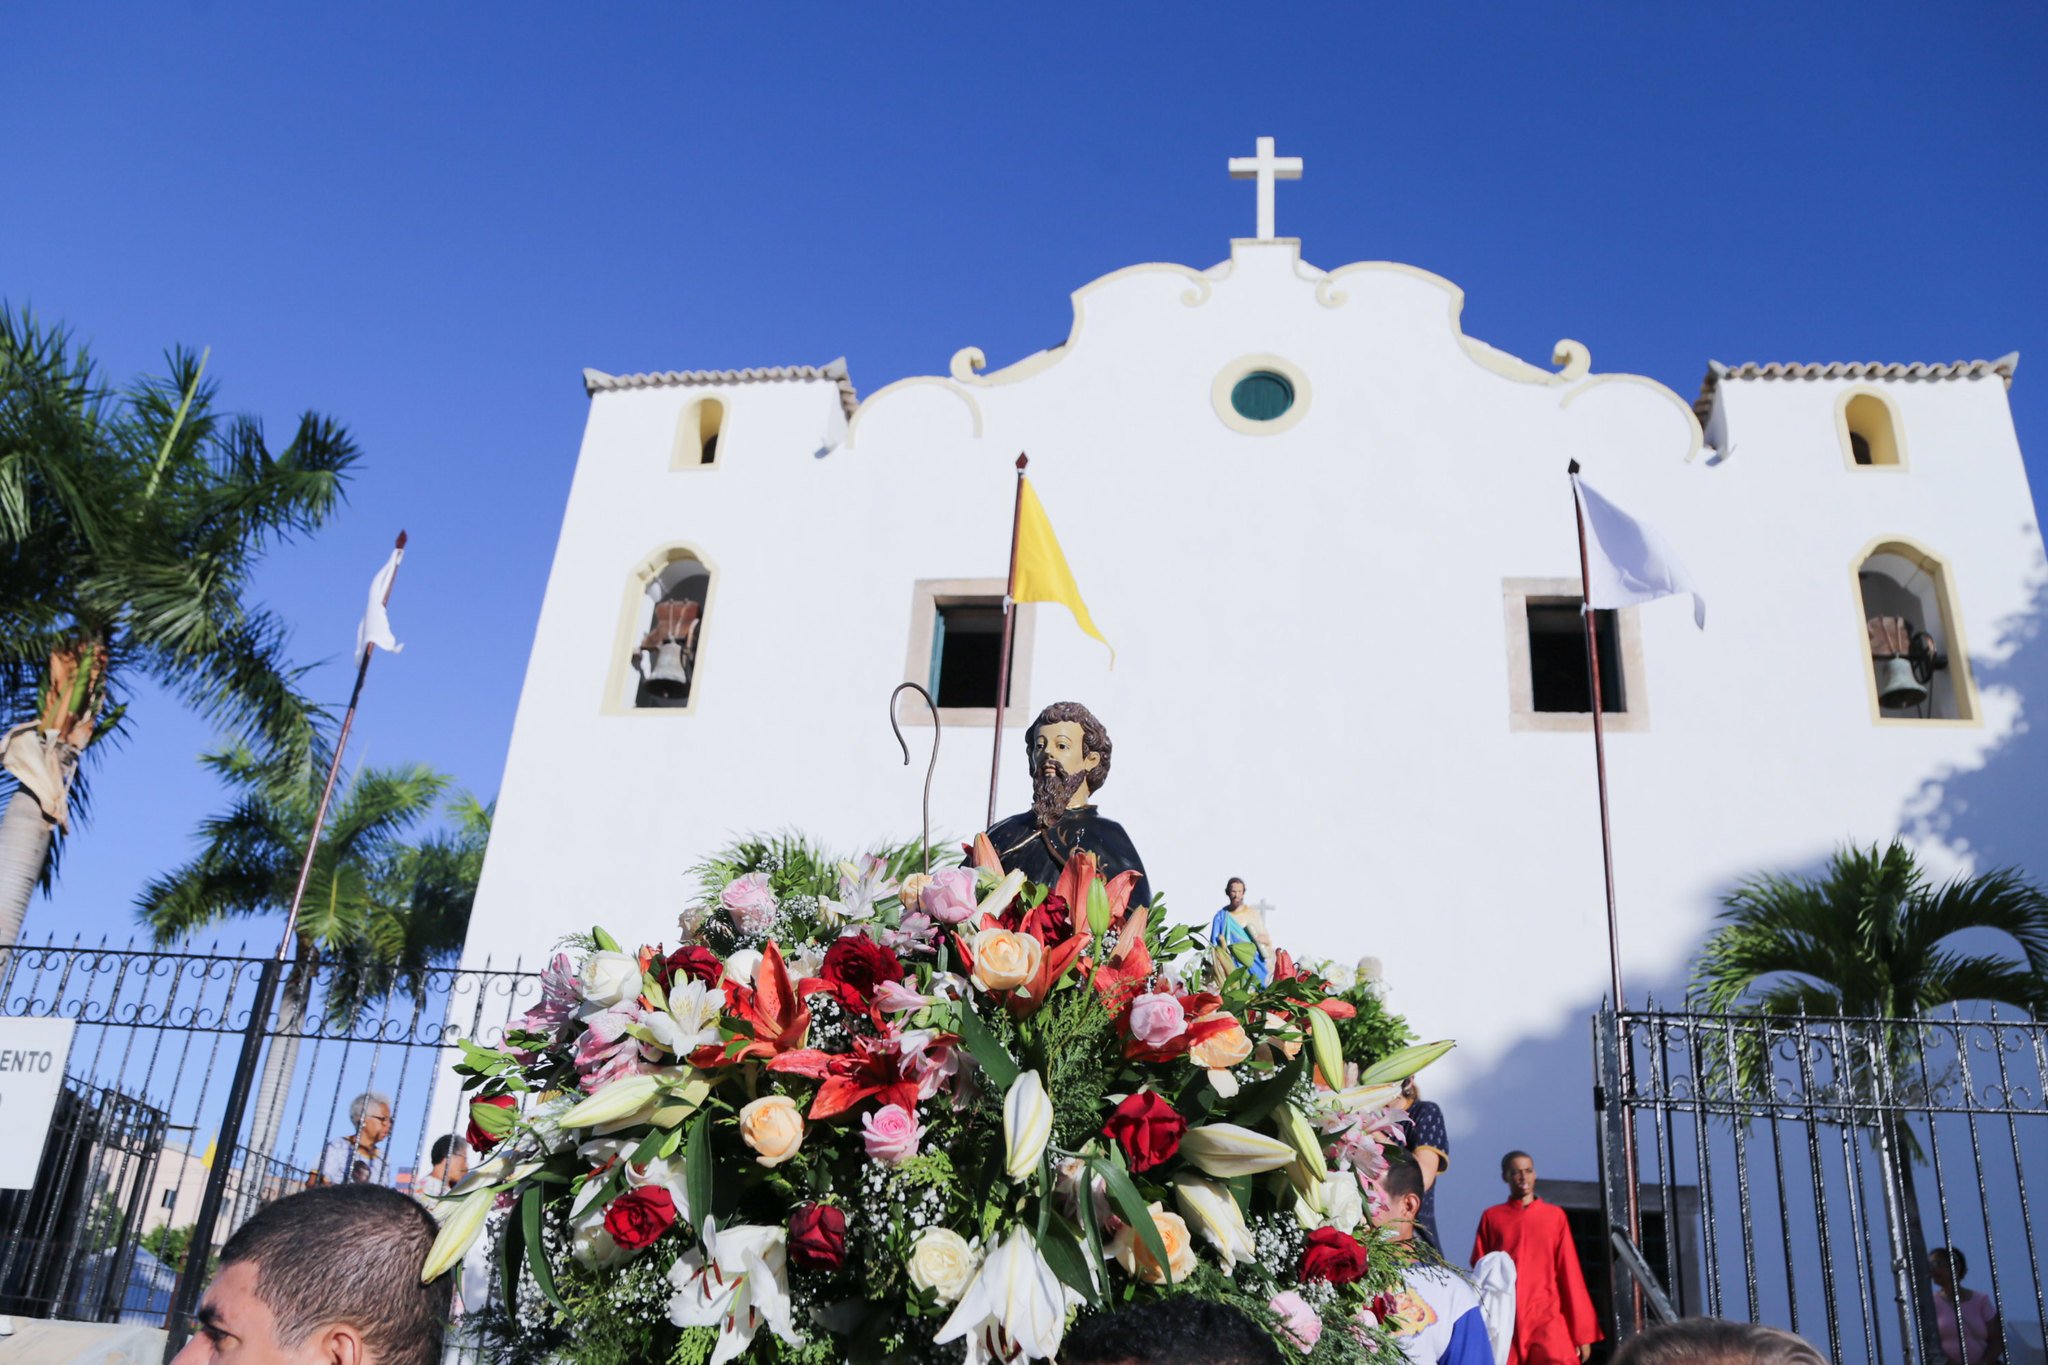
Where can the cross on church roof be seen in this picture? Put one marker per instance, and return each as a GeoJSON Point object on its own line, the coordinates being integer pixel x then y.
{"type": "Point", "coordinates": [1265, 168]}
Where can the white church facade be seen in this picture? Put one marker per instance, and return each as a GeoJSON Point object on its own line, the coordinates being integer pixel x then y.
{"type": "Point", "coordinates": [1331, 537]}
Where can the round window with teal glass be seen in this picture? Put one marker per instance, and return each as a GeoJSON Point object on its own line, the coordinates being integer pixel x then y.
{"type": "Point", "coordinates": [1262, 396]}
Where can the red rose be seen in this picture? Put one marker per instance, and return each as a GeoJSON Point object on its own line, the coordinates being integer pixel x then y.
{"type": "Point", "coordinates": [854, 966]}
{"type": "Point", "coordinates": [817, 1237]}
{"type": "Point", "coordinates": [1147, 1128]}
{"type": "Point", "coordinates": [639, 1216]}
{"type": "Point", "coordinates": [481, 1135]}
{"type": "Point", "coordinates": [700, 964]}
{"type": "Point", "coordinates": [1332, 1255]}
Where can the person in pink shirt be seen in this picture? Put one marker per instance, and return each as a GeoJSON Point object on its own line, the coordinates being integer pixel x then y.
{"type": "Point", "coordinates": [1965, 1318]}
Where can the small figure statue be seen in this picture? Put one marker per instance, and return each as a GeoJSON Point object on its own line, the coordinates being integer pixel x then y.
{"type": "Point", "coordinates": [1069, 752]}
{"type": "Point", "coordinates": [1238, 936]}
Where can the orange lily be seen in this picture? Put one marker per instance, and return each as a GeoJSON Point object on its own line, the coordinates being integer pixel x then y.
{"type": "Point", "coordinates": [776, 1013]}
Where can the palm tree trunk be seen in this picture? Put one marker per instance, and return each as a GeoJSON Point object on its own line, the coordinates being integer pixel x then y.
{"type": "Point", "coordinates": [279, 1062]}
{"type": "Point", "coordinates": [1916, 1245]}
{"type": "Point", "coordinates": [24, 849]}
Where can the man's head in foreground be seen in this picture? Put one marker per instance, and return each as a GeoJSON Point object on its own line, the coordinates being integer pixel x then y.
{"type": "Point", "coordinates": [327, 1277]}
{"type": "Point", "coordinates": [1710, 1341]}
{"type": "Point", "coordinates": [1403, 1184]}
{"type": "Point", "coordinates": [1174, 1332]}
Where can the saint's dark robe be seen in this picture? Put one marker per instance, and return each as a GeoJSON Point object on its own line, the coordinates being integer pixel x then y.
{"type": "Point", "coordinates": [1040, 854]}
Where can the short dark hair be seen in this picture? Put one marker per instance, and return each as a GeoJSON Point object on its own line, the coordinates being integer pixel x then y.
{"type": "Point", "coordinates": [447, 1145]}
{"type": "Point", "coordinates": [1234, 881]}
{"type": "Point", "coordinates": [1403, 1176]}
{"type": "Point", "coordinates": [1178, 1331]}
{"type": "Point", "coordinates": [1712, 1341]}
{"type": "Point", "coordinates": [1958, 1264]}
{"type": "Point", "coordinates": [347, 1254]}
{"type": "Point", "coordinates": [1509, 1159]}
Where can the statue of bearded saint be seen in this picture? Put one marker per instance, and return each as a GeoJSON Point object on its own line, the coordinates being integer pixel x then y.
{"type": "Point", "coordinates": [1069, 752]}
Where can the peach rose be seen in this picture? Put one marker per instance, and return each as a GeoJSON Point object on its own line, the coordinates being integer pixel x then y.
{"type": "Point", "coordinates": [1224, 1048]}
{"type": "Point", "coordinates": [1173, 1234]}
{"type": "Point", "coordinates": [774, 1127]}
{"type": "Point", "coordinates": [1004, 961]}
{"type": "Point", "coordinates": [912, 888]}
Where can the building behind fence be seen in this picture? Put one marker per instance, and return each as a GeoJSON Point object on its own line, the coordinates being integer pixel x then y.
{"type": "Point", "coordinates": [1814, 1163]}
{"type": "Point", "coordinates": [136, 1128]}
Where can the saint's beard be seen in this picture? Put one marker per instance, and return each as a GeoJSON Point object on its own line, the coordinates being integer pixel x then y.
{"type": "Point", "coordinates": [1051, 792]}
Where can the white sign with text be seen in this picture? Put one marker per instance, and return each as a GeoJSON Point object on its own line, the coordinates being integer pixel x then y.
{"type": "Point", "coordinates": [32, 1057]}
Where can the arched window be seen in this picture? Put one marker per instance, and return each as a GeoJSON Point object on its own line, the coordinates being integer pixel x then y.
{"type": "Point", "coordinates": [1916, 661]}
{"type": "Point", "coordinates": [1870, 430]}
{"type": "Point", "coordinates": [697, 433]}
{"type": "Point", "coordinates": [666, 633]}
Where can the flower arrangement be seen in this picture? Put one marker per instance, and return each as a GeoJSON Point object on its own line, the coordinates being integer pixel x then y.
{"type": "Point", "coordinates": [926, 1118]}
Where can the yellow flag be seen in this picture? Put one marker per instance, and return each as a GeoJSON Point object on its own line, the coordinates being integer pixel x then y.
{"type": "Point", "coordinates": [1042, 572]}
{"type": "Point", "coordinates": [212, 1148]}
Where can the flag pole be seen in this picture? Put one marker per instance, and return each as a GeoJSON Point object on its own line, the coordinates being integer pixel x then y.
{"type": "Point", "coordinates": [995, 763]}
{"type": "Point", "coordinates": [1628, 1136]}
{"type": "Point", "coordinates": [192, 1274]}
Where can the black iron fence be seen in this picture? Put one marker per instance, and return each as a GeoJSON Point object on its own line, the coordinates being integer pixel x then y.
{"type": "Point", "coordinates": [1813, 1165]}
{"type": "Point", "coordinates": [101, 1235]}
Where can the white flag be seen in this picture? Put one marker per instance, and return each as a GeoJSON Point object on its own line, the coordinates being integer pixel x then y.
{"type": "Point", "coordinates": [375, 627]}
{"type": "Point", "coordinates": [1627, 561]}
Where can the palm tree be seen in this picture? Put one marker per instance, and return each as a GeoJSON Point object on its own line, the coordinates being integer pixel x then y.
{"type": "Point", "coordinates": [382, 911]}
{"type": "Point", "coordinates": [130, 527]}
{"type": "Point", "coordinates": [1874, 939]}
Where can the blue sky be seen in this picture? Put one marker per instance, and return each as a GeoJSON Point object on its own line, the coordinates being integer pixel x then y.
{"type": "Point", "coordinates": [425, 220]}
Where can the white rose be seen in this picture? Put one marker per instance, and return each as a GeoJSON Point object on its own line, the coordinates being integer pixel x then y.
{"type": "Point", "coordinates": [609, 978]}
{"type": "Point", "coordinates": [1343, 1208]}
{"type": "Point", "coordinates": [593, 1247]}
{"type": "Point", "coordinates": [943, 1262]}
{"type": "Point", "coordinates": [739, 968]}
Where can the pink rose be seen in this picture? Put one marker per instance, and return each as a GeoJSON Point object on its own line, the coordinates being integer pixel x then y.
{"type": "Point", "coordinates": [1299, 1321]}
{"type": "Point", "coordinates": [891, 1134]}
{"type": "Point", "coordinates": [894, 997]}
{"type": "Point", "coordinates": [950, 898]}
{"type": "Point", "coordinates": [1157, 1018]}
{"type": "Point", "coordinates": [750, 903]}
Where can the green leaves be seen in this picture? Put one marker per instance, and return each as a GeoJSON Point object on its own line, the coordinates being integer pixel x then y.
{"type": "Point", "coordinates": [697, 1168]}
{"type": "Point", "coordinates": [536, 1255]}
{"type": "Point", "coordinates": [1001, 1068]}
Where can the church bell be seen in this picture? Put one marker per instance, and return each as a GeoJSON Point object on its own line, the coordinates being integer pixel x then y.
{"type": "Point", "coordinates": [668, 675]}
{"type": "Point", "coordinates": [1897, 688]}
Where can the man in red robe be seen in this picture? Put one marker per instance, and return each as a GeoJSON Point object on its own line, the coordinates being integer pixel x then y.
{"type": "Point", "coordinates": [1554, 1321]}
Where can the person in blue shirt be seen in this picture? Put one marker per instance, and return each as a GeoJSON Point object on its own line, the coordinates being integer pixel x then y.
{"type": "Point", "coordinates": [1436, 1318]}
{"type": "Point", "coordinates": [1238, 937]}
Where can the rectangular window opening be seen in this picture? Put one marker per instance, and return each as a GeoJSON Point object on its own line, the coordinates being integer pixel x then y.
{"type": "Point", "coordinates": [1558, 677]}
{"type": "Point", "coordinates": [967, 649]}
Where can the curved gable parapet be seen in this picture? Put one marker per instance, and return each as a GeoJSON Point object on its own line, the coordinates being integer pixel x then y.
{"type": "Point", "coordinates": [1265, 294]}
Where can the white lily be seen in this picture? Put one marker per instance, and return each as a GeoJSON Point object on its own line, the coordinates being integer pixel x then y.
{"type": "Point", "coordinates": [613, 1101]}
{"type": "Point", "coordinates": [1210, 1210]}
{"type": "Point", "coordinates": [1027, 1125]}
{"type": "Point", "coordinates": [689, 1022]}
{"type": "Point", "coordinates": [1014, 1306]}
{"type": "Point", "coordinates": [999, 898]}
{"type": "Point", "coordinates": [1227, 1150]}
{"type": "Point", "coordinates": [737, 1282]}
{"type": "Point", "coordinates": [462, 1222]}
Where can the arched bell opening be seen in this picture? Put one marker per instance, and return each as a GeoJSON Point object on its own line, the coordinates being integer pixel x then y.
{"type": "Point", "coordinates": [1918, 668]}
{"type": "Point", "coordinates": [668, 632]}
{"type": "Point", "coordinates": [1870, 432]}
